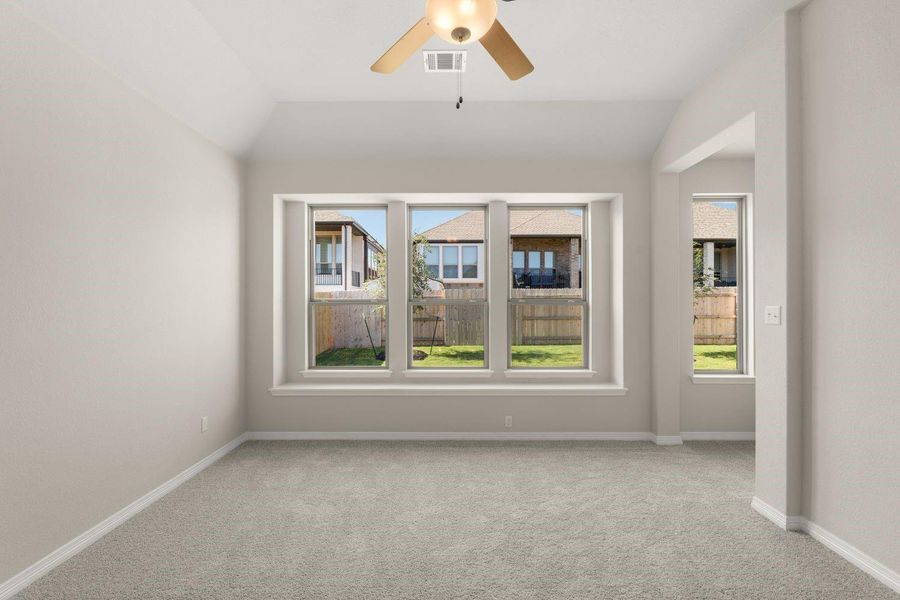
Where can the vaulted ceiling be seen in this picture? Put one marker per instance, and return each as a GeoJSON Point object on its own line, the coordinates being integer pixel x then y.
{"type": "Point", "coordinates": [291, 78]}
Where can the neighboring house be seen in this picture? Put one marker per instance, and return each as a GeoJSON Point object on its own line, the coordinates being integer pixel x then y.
{"type": "Point", "coordinates": [546, 249]}
{"type": "Point", "coordinates": [341, 241]}
{"type": "Point", "coordinates": [715, 231]}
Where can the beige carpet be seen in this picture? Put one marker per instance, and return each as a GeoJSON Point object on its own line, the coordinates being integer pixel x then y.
{"type": "Point", "coordinates": [461, 520]}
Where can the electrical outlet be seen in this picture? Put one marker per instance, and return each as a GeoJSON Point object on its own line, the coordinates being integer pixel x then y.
{"type": "Point", "coordinates": [508, 421]}
{"type": "Point", "coordinates": [773, 315]}
{"type": "Point", "coordinates": [204, 424]}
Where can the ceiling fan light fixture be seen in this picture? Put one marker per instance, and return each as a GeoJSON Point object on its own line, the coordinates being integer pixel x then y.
{"type": "Point", "coordinates": [461, 21]}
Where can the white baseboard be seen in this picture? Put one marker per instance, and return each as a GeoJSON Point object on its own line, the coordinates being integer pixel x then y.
{"type": "Point", "coordinates": [770, 512]}
{"type": "Point", "coordinates": [21, 580]}
{"type": "Point", "coordinates": [634, 436]}
{"type": "Point", "coordinates": [848, 552]}
{"type": "Point", "coordinates": [718, 436]}
{"type": "Point", "coordinates": [852, 554]}
{"type": "Point", "coordinates": [625, 436]}
{"type": "Point", "coordinates": [666, 440]}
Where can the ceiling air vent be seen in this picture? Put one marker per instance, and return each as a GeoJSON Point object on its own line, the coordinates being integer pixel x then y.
{"type": "Point", "coordinates": [445, 61]}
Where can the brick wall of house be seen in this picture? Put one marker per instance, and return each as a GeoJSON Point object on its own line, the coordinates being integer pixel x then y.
{"type": "Point", "coordinates": [566, 251]}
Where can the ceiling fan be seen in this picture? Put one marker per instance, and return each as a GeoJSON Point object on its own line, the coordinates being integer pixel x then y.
{"type": "Point", "coordinates": [460, 22]}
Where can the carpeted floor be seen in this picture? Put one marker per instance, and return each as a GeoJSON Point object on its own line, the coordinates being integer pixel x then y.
{"type": "Point", "coordinates": [461, 520]}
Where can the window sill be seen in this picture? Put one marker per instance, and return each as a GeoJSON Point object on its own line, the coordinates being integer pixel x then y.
{"type": "Point", "coordinates": [410, 389]}
{"type": "Point", "coordinates": [426, 373]}
{"type": "Point", "coordinates": [346, 373]}
{"type": "Point", "coordinates": [548, 373]}
{"type": "Point", "coordinates": [736, 379]}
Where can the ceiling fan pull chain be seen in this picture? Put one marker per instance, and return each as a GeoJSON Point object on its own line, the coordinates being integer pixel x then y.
{"type": "Point", "coordinates": [458, 88]}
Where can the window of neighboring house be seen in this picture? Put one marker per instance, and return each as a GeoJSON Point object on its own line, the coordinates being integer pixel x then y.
{"type": "Point", "coordinates": [433, 261]}
{"type": "Point", "coordinates": [372, 259]}
{"type": "Point", "coordinates": [518, 268]}
{"type": "Point", "coordinates": [719, 287]}
{"type": "Point", "coordinates": [451, 261]}
{"type": "Point", "coordinates": [470, 262]}
{"type": "Point", "coordinates": [548, 311]}
{"type": "Point", "coordinates": [447, 317]}
{"type": "Point", "coordinates": [347, 318]}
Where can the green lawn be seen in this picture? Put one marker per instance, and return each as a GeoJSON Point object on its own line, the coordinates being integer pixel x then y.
{"type": "Point", "coordinates": [715, 358]}
{"type": "Point", "coordinates": [349, 357]}
{"type": "Point", "coordinates": [553, 356]}
{"type": "Point", "coordinates": [459, 356]}
{"type": "Point", "coordinates": [452, 356]}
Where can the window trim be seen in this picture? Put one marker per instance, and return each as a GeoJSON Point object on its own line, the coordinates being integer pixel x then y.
{"type": "Point", "coordinates": [312, 301]}
{"type": "Point", "coordinates": [485, 301]}
{"type": "Point", "coordinates": [289, 333]}
{"type": "Point", "coordinates": [584, 301]}
{"type": "Point", "coordinates": [744, 318]}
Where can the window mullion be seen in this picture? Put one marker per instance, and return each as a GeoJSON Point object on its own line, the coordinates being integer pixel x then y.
{"type": "Point", "coordinates": [497, 262]}
{"type": "Point", "coordinates": [397, 281]}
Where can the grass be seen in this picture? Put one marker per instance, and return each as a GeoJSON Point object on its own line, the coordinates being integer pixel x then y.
{"type": "Point", "coordinates": [349, 357]}
{"type": "Point", "coordinates": [552, 356]}
{"type": "Point", "coordinates": [715, 358]}
{"type": "Point", "coordinates": [459, 356]}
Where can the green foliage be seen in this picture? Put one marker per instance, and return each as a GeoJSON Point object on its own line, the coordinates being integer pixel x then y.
{"type": "Point", "coordinates": [377, 287]}
{"type": "Point", "coordinates": [702, 277]}
{"type": "Point", "coordinates": [419, 279]}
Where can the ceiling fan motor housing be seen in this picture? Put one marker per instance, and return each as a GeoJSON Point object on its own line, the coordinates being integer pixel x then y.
{"type": "Point", "coordinates": [460, 21]}
{"type": "Point", "coordinates": [461, 34]}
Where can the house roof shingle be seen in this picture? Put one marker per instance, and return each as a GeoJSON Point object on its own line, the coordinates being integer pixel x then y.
{"type": "Point", "coordinates": [714, 222]}
{"type": "Point", "coordinates": [469, 226]}
{"type": "Point", "coordinates": [324, 215]}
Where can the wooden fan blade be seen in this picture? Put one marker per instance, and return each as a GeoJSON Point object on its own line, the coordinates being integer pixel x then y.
{"type": "Point", "coordinates": [506, 52]}
{"type": "Point", "coordinates": [411, 41]}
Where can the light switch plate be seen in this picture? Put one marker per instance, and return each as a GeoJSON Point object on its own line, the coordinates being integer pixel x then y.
{"type": "Point", "coordinates": [773, 315]}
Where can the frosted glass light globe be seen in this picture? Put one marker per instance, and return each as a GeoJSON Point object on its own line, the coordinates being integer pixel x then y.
{"type": "Point", "coordinates": [461, 21]}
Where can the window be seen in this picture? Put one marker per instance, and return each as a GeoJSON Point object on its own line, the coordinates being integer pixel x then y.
{"type": "Point", "coordinates": [718, 287]}
{"type": "Point", "coordinates": [547, 305]}
{"type": "Point", "coordinates": [348, 292]}
{"type": "Point", "coordinates": [432, 261]}
{"type": "Point", "coordinates": [451, 262]}
{"type": "Point", "coordinates": [470, 262]}
{"type": "Point", "coordinates": [448, 315]}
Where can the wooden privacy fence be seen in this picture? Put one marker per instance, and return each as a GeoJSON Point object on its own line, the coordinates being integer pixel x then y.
{"type": "Point", "coordinates": [344, 325]}
{"type": "Point", "coordinates": [463, 324]}
{"type": "Point", "coordinates": [545, 324]}
{"type": "Point", "coordinates": [715, 317]}
{"type": "Point", "coordinates": [450, 324]}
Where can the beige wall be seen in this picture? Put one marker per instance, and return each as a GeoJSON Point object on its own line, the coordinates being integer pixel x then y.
{"type": "Point", "coordinates": [758, 89]}
{"type": "Point", "coordinates": [704, 406]}
{"type": "Point", "coordinates": [120, 268]}
{"type": "Point", "coordinates": [851, 91]}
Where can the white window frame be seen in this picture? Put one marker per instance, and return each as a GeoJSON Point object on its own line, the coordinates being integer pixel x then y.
{"type": "Point", "coordinates": [744, 322]}
{"type": "Point", "coordinates": [584, 301]}
{"type": "Point", "coordinates": [480, 250]}
{"type": "Point", "coordinates": [313, 301]}
{"type": "Point", "coordinates": [485, 301]}
{"type": "Point", "coordinates": [604, 289]}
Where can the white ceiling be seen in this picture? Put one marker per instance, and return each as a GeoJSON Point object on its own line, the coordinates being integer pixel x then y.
{"type": "Point", "coordinates": [742, 141]}
{"type": "Point", "coordinates": [304, 50]}
{"type": "Point", "coordinates": [222, 65]}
